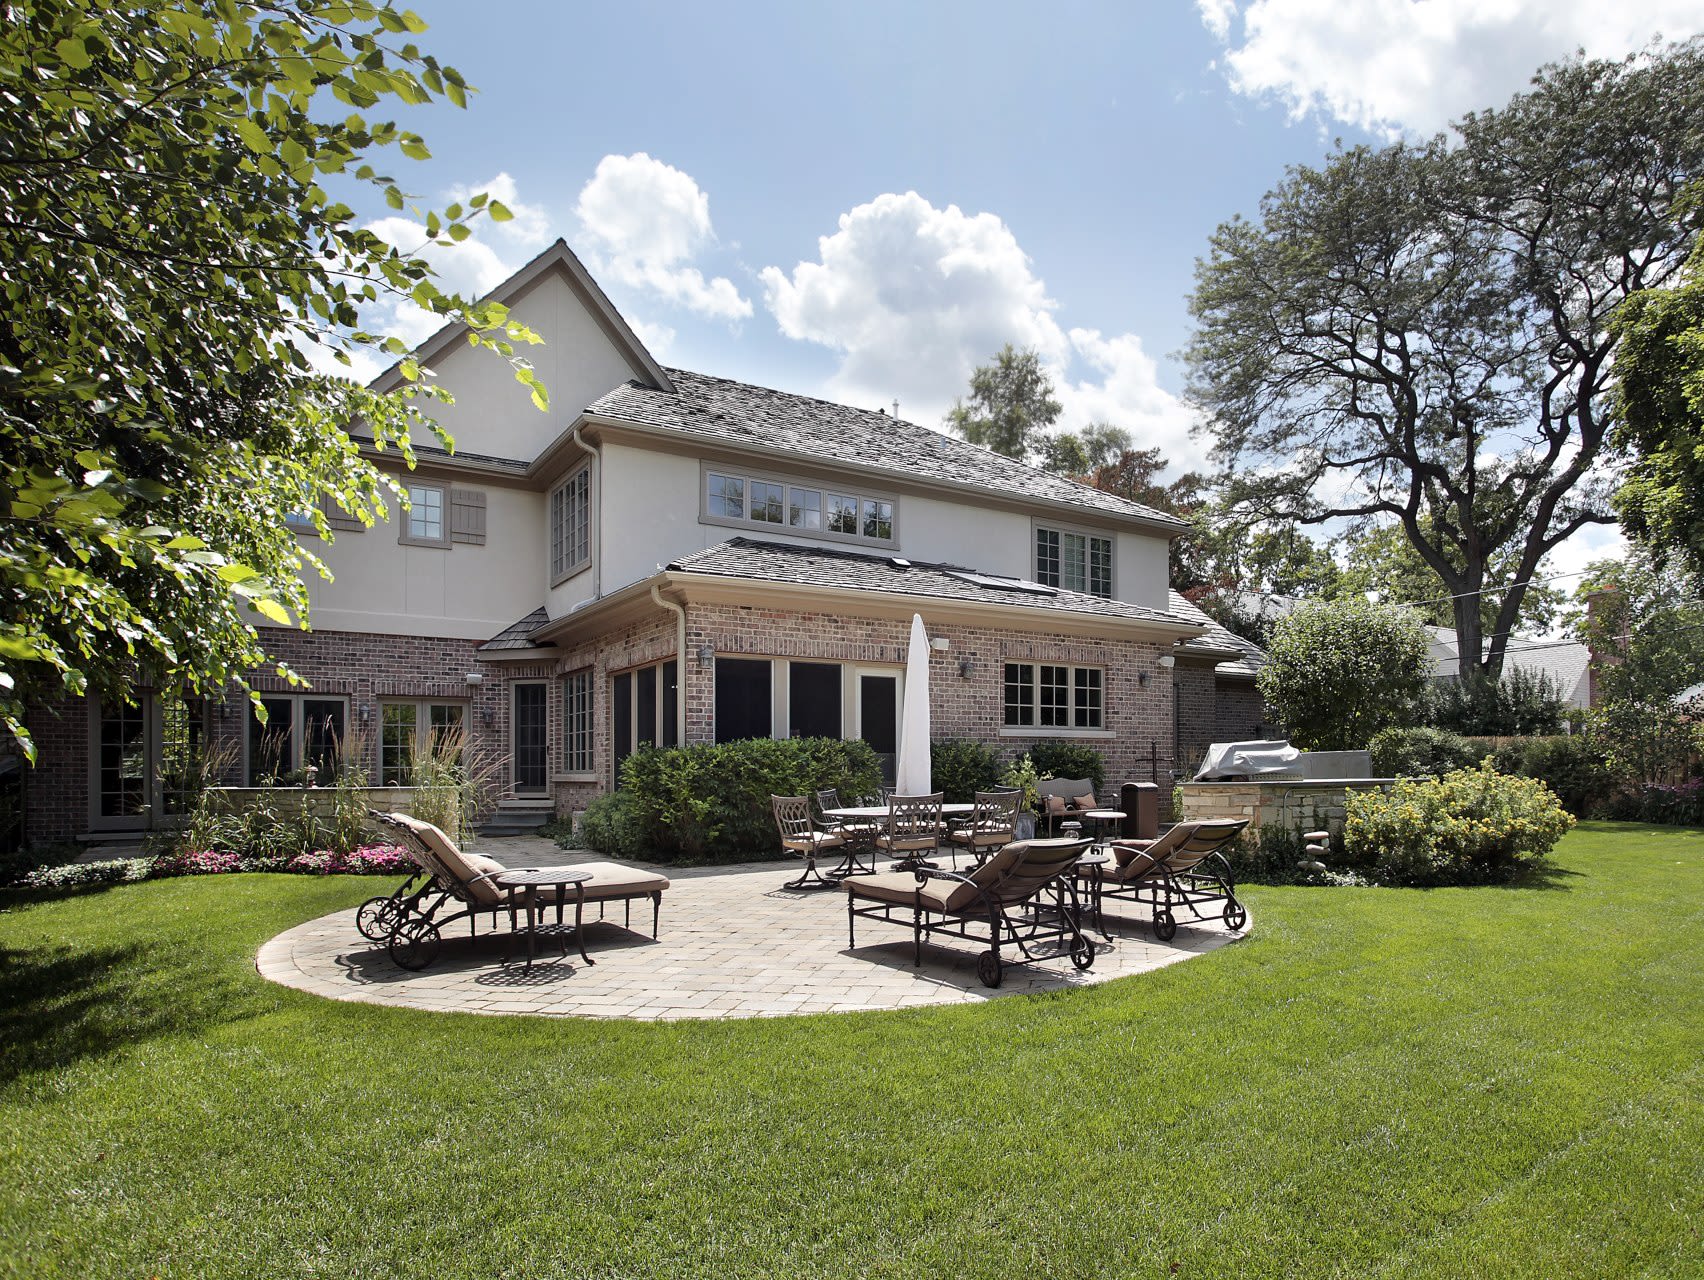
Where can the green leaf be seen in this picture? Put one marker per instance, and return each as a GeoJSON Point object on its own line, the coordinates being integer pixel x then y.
{"type": "Point", "coordinates": [271, 609]}
{"type": "Point", "coordinates": [74, 52]}
{"type": "Point", "coordinates": [254, 137]}
{"type": "Point", "coordinates": [499, 211]}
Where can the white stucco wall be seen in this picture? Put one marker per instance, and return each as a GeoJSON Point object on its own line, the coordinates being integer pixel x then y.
{"type": "Point", "coordinates": [493, 414]}
{"type": "Point", "coordinates": [465, 591]}
{"type": "Point", "coordinates": [650, 516]}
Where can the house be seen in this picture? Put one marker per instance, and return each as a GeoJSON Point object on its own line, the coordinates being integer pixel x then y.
{"type": "Point", "coordinates": [1566, 664]}
{"type": "Point", "coordinates": [669, 557]}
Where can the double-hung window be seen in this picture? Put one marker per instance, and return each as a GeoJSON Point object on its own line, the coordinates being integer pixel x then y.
{"type": "Point", "coordinates": [1074, 561]}
{"type": "Point", "coordinates": [426, 523]}
{"type": "Point", "coordinates": [571, 525]}
{"type": "Point", "coordinates": [731, 497]}
{"type": "Point", "coordinates": [1044, 695]}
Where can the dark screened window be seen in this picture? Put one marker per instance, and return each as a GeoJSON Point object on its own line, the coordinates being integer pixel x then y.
{"type": "Point", "coordinates": [645, 722]}
{"type": "Point", "coordinates": [621, 711]}
{"type": "Point", "coordinates": [742, 699]}
{"type": "Point", "coordinates": [813, 700]}
{"type": "Point", "coordinates": [671, 704]}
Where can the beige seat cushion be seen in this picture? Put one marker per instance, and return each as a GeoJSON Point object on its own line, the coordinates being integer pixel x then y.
{"type": "Point", "coordinates": [815, 840]}
{"type": "Point", "coordinates": [616, 880]}
{"type": "Point", "coordinates": [906, 844]}
{"type": "Point", "coordinates": [981, 839]}
{"type": "Point", "coordinates": [901, 889]}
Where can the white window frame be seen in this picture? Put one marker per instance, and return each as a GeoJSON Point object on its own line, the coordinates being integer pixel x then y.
{"type": "Point", "coordinates": [422, 727]}
{"type": "Point", "coordinates": [406, 535]}
{"type": "Point", "coordinates": [579, 724]}
{"type": "Point", "coordinates": [1074, 705]}
{"type": "Point", "coordinates": [1062, 531]}
{"type": "Point", "coordinates": [825, 492]}
{"type": "Point", "coordinates": [562, 512]}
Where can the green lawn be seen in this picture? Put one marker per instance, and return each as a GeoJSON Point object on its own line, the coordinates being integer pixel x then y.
{"type": "Point", "coordinates": [1485, 1082]}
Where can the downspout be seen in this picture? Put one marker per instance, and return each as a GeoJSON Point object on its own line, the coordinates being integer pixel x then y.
{"type": "Point", "coordinates": [680, 662]}
{"type": "Point", "coordinates": [596, 487]}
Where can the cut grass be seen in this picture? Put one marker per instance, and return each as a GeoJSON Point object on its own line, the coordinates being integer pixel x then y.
{"type": "Point", "coordinates": [1484, 1082]}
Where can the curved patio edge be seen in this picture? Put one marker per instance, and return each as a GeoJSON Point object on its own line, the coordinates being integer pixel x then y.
{"type": "Point", "coordinates": [733, 944]}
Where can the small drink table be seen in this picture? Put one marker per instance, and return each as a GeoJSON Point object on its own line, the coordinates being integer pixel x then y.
{"type": "Point", "coordinates": [527, 883]}
{"type": "Point", "coordinates": [1100, 817]}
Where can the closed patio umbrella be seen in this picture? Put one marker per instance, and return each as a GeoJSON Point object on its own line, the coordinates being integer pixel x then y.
{"type": "Point", "coordinates": [913, 776]}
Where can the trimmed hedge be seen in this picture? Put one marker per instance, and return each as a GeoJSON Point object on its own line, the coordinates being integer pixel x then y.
{"type": "Point", "coordinates": [1571, 766]}
{"type": "Point", "coordinates": [1067, 760]}
{"type": "Point", "coordinates": [960, 768]}
{"type": "Point", "coordinates": [1408, 753]}
{"type": "Point", "coordinates": [711, 801]}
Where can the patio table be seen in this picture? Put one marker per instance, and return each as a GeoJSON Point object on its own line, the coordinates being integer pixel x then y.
{"type": "Point", "coordinates": [527, 883]}
{"type": "Point", "coordinates": [1100, 817]}
{"type": "Point", "coordinates": [872, 811]}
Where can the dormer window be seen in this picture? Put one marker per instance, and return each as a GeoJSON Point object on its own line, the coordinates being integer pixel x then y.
{"type": "Point", "coordinates": [779, 504]}
{"type": "Point", "coordinates": [1074, 561]}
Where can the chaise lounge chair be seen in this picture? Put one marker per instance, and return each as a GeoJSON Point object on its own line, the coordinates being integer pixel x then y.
{"type": "Point", "coordinates": [1023, 895]}
{"type": "Point", "coordinates": [1183, 868]}
{"type": "Point", "coordinates": [467, 879]}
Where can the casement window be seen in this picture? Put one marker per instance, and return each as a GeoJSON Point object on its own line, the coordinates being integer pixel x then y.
{"type": "Point", "coordinates": [1045, 695]}
{"type": "Point", "coordinates": [577, 722]}
{"type": "Point", "coordinates": [644, 704]}
{"type": "Point", "coordinates": [301, 731]}
{"type": "Point", "coordinates": [1074, 561]}
{"type": "Point", "coordinates": [571, 525]}
{"type": "Point", "coordinates": [146, 759]}
{"type": "Point", "coordinates": [413, 728]}
{"type": "Point", "coordinates": [731, 497]}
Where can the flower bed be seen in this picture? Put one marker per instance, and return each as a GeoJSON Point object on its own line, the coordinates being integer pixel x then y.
{"type": "Point", "coordinates": [367, 860]}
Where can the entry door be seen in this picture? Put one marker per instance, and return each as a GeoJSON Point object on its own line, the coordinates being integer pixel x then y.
{"type": "Point", "coordinates": [531, 739]}
{"type": "Point", "coordinates": [878, 719]}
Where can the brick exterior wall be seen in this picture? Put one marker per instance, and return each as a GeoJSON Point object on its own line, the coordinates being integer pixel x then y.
{"type": "Point", "coordinates": [1241, 713]}
{"type": "Point", "coordinates": [369, 669]}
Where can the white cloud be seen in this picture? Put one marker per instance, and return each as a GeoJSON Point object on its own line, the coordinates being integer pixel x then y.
{"type": "Point", "coordinates": [530, 227]}
{"type": "Point", "coordinates": [914, 298]}
{"type": "Point", "coordinates": [472, 268]}
{"type": "Point", "coordinates": [644, 222]}
{"type": "Point", "coordinates": [658, 338]}
{"type": "Point", "coordinates": [1392, 66]}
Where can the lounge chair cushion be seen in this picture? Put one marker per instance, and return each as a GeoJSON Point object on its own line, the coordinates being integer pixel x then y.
{"type": "Point", "coordinates": [902, 889]}
{"type": "Point", "coordinates": [615, 880]}
{"type": "Point", "coordinates": [441, 847]}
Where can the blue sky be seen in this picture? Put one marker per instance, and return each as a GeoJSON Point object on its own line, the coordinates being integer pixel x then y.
{"type": "Point", "coordinates": [864, 201]}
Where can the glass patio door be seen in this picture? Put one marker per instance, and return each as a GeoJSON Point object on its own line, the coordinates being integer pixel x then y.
{"type": "Point", "coordinates": [531, 738]}
{"type": "Point", "coordinates": [878, 718]}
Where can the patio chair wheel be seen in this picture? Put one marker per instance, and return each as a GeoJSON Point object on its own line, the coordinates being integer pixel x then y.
{"type": "Point", "coordinates": [376, 918]}
{"type": "Point", "coordinates": [1236, 915]}
{"type": "Point", "coordinates": [413, 944]}
{"type": "Point", "coordinates": [988, 969]}
{"type": "Point", "coordinates": [1165, 925]}
{"type": "Point", "coordinates": [1082, 954]}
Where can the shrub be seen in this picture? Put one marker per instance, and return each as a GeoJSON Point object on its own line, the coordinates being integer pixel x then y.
{"type": "Point", "coordinates": [1410, 752]}
{"type": "Point", "coordinates": [1520, 703]}
{"type": "Point", "coordinates": [1338, 671]}
{"type": "Point", "coordinates": [1068, 760]}
{"type": "Point", "coordinates": [1474, 826]}
{"type": "Point", "coordinates": [1675, 804]}
{"type": "Point", "coordinates": [1573, 767]}
{"type": "Point", "coordinates": [608, 826]}
{"type": "Point", "coordinates": [712, 800]}
{"type": "Point", "coordinates": [84, 875]}
{"type": "Point", "coordinates": [961, 768]}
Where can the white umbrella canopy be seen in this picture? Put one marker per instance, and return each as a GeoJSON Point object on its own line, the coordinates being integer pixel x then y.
{"type": "Point", "coordinates": [912, 776]}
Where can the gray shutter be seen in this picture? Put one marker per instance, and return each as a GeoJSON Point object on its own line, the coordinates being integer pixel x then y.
{"type": "Point", "coordinates": [467, 516]}
{"type": "Point", "coordinates": [336, 520]}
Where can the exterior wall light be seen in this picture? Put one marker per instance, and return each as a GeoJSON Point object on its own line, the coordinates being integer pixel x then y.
{"type": "Point", "coordinates": [966, 666]}
{"type": "Point", "coordinates": [706, 656]}
{"type": "Point", "coordinates": [1167, 662]}
{"type": "Point", "coordinates": [940, 644]}
{"type": "Point", "coordinates": [475, 677]}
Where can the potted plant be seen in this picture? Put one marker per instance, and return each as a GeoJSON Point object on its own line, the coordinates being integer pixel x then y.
{"type": "Point", "coordinates": [1023, 777]}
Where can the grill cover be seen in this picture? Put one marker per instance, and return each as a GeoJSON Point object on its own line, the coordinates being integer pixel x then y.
{"type": "Point", "coordinates": [1248, 760]}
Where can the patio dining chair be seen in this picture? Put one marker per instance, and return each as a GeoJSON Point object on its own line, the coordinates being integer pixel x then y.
{"type": "Point", "coordinates": [913, 829]}
{"type": "Point", "coordinates": [800, 835]}
{"type": "Point", "coordinates": [992, 824]}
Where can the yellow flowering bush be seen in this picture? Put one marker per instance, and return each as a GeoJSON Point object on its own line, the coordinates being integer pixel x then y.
{"type": "Point", "coordinates": [1473, 826]}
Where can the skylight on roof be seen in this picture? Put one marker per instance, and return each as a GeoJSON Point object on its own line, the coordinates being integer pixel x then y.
{"type": "Point", "coordinates": [1001, 584]}
{"type": "Point", "coordinates": [899, 562]}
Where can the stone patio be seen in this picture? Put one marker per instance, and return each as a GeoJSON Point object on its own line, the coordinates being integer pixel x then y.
{"type": "Point", "coordinates": [733, 944]}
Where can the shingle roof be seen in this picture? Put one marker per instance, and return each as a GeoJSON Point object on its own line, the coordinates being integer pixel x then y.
{"type": "Point", "coordinates": [518, 635]}
{"type": "Point", "coordinates": [1564, 662]}
{"type": "Point", "coordinates": [761, 418]}
{"type": "Point", "coordinates": [1253, 656]}
{"type": "Point", "coordinates": [859, 571]}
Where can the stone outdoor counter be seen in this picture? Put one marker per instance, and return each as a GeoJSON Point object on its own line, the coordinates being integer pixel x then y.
{"type": "Point", "coordinates": [1290, 804]}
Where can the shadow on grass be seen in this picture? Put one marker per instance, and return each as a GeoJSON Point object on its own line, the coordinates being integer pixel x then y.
{"type": "Point", "coordinates": [59, 1008]}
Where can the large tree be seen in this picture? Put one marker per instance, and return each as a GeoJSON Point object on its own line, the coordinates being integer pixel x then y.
{"type": "Point", "coordinates": [171, 247]}
{"type": "Point", "coordinates": [1010, 404]}
{"type": "Point", "coordinates": [1422, 334]}
{"type": "Point", "coordinates": [1660, 412]}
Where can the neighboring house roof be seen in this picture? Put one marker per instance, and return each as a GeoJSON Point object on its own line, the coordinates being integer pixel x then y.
{"type": "Point", "coordinates": [771, 421]}
{"type": "Point", "coordinates": [860, 571]}
{"type": "Point", "coordinates": [1251, 656]}
{"type": "Point", "coordinates": [1567, 663]}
